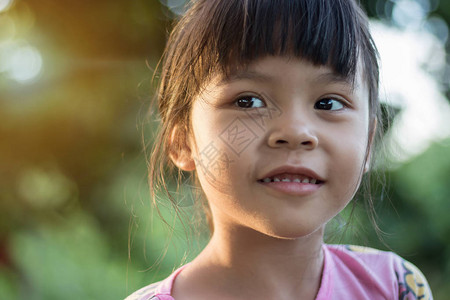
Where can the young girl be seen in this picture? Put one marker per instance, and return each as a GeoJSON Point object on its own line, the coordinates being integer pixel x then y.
{"type": "Point", "coordinates": [273, 106]}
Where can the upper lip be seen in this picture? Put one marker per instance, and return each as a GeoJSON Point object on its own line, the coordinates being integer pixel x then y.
{"type": "Point", "coordinates": [298, 170]}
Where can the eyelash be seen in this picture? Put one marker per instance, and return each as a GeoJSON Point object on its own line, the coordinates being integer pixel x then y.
{"type": "Point", "coordinates": [249, 98]}
{"type": "Point", "coordinates": [329, 101]}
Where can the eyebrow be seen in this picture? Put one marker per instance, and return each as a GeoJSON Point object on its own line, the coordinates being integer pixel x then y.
{"type": "Point", "coordinates": [325, 78]}
{"type": "Point", "coordinates": [246, 75]}
{"type": "Point", "coordinates": [331, 77]}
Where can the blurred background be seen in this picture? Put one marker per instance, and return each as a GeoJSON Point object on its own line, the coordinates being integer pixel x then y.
{"type": "Point", "coordinates": [76, 220]}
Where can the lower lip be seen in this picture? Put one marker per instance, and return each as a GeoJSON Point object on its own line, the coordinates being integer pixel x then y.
{"type": "Point", "coordinates": [293, 188]}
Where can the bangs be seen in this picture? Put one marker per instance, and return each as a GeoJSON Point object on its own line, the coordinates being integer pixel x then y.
{"type": "Point", "coordinates": [324, 32]}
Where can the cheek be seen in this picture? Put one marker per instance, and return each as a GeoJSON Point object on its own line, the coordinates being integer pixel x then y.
{"type": "Point", "coordinates": [348, 160]}
{"type": "Point", "coordinates": [222, 143]}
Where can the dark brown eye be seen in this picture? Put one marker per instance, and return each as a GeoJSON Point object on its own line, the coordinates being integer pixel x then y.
{"type": "Point", "coordinates": [249, 102]}
{"type": "Point", "coordinates": [328, 104]}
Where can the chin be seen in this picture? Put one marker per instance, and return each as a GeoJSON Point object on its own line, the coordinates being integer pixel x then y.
{"type": "Point", "coordinates": [294, 232]}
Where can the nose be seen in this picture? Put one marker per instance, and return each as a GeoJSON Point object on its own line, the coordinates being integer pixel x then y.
{"type": "Point", "coordinates": [293, 135]}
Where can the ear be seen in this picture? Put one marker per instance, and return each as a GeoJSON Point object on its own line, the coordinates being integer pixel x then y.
{"type": "Point", "coordinates": [180, 153]}
{"type": "Point", "coordinates": [369, 149]}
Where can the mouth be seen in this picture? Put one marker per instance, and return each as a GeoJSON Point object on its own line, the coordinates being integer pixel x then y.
{"type": "Point", "coordinates": [292, 180]}
{"type": "Point", "coordinates": [289, 177]}
{"type": "Point", "coordinates": [290, 173]}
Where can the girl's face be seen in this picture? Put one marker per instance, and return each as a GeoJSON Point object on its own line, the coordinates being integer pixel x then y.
{"type": "Point", "coordinates": [280, 147]}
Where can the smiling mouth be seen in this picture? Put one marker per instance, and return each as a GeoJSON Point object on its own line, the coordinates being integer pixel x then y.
{"type": "Point", "coordinates": [286, 177]}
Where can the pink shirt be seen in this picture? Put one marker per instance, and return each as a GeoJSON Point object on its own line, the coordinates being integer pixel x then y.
{"type": "Point", "coordinates": [350, 272]}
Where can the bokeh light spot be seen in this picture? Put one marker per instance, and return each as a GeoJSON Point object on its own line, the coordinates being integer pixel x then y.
{"type": "Point", "coordinates": [45, 189]}
{"type": "Point", "coordinates": [5, 4]}
{"type": "Point", "coordinates": [439, 28]}
{"type": "Point", "coordinates": [23, 63]}
{"type": "Point", "coordinates": [175, 6]}
{"type": "Point", "coordinates": [408, 13]}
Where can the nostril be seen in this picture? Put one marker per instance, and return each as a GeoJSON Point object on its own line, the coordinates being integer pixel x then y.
{"type": "Point", "coordinates": [303, 140]}
{"type": "Point", "coordinates": [282, 142]}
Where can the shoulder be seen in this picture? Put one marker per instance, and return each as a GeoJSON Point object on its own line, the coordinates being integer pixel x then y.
{"type": "Point", "coordinates": [386, 271]}
{"type": "Point", "coordinates": [157, 291]}
{"type": "Point", "coordinates": [146, 293]}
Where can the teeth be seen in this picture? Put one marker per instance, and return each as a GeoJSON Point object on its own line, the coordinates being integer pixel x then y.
{"type": "Point", "coordinates": [297, 180]}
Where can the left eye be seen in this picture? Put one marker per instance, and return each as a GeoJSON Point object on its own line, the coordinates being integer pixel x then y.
{"type": "Point", "coordinates": [329, 104]}
{"type": "Point", "coordinates": [249, 102]}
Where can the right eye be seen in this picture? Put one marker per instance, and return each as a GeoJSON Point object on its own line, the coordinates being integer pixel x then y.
{"type": "Point", "coordinates": [249, 102]}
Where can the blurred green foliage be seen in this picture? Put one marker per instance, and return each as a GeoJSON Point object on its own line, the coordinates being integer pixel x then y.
{"type": "Point", "coordinates": [76, 220]}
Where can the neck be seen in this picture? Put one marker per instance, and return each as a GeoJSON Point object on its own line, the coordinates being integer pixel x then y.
{"type": "Point", "coordinates": [269, 264]}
